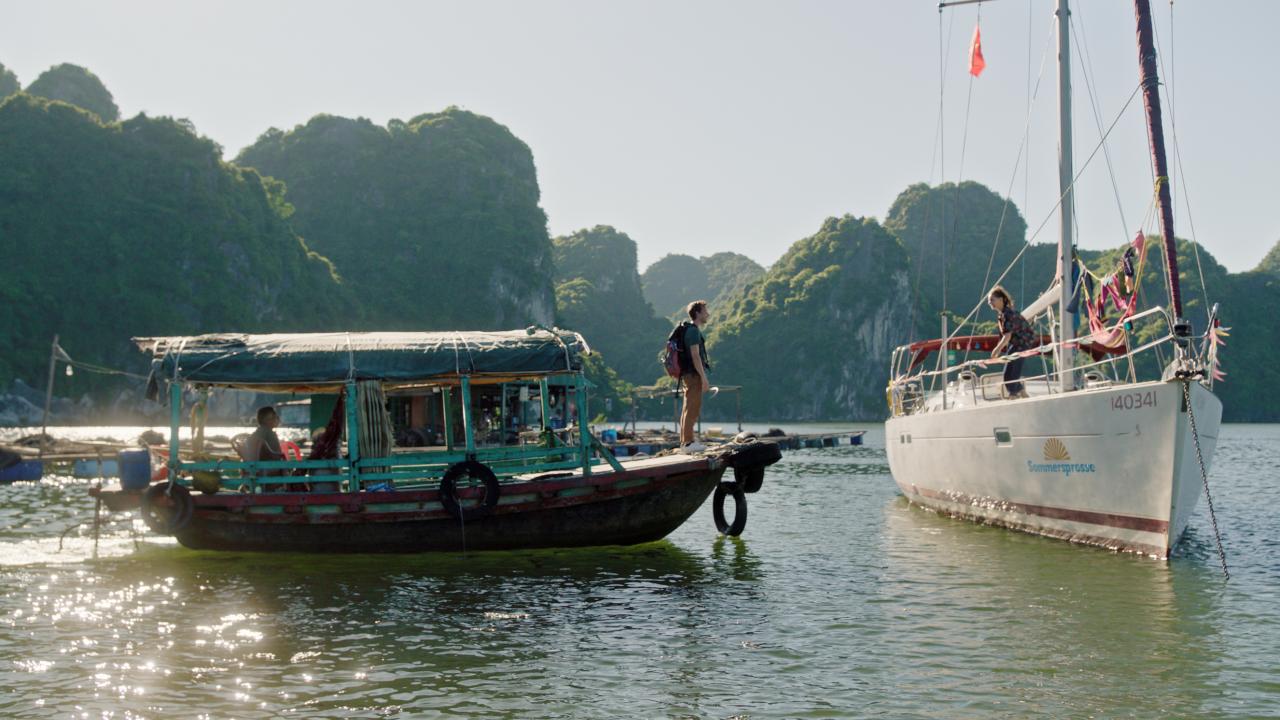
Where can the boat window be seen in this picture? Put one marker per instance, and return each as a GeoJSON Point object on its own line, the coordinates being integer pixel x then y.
{"type": "Point", "coordinates": [1004, 438]}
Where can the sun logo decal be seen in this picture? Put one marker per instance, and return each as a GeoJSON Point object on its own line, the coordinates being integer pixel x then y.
{"type": "Point", "coordinates": [1055, 450]}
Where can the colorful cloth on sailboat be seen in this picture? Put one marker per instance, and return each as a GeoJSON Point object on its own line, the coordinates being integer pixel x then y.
{"type": "Point", "coordinates": [1023, 337]}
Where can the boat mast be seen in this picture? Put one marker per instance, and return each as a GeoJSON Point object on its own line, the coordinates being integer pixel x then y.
{"type": "Point", "coordinates": [1066, 209]}
{"type": "Point", "coordinates": [1155, 131]}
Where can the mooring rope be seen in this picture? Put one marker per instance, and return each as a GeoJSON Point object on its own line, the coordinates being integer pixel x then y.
{"type": "Point", "coordinates": [1204, 477]}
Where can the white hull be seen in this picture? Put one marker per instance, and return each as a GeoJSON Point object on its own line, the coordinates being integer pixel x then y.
{"type": "Point", "coordinates": [1113, 466]}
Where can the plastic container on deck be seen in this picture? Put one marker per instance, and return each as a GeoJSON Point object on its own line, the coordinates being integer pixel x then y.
{"type": "Point", "coordinates": [135, 469]}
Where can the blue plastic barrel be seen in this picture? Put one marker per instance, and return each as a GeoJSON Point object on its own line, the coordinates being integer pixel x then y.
{"type": "Point", "coordinates": [25, 470]}
{"type": "Point", "coordinates": [135, 469]}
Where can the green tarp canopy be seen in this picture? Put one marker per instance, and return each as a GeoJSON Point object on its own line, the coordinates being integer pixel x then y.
{"type": "Point", "coordinates": [326, 359]}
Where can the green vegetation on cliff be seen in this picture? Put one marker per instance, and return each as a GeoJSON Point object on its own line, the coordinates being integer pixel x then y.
{"type": "Point", "coordinates": [960, 239]}
{"type": "Point", "coordinates": [77, 86]}
{"type": "Point", "coordinates": [138, 228]}
{"type": "Point", "coordinates": [1271, 262]}
{"type": "Point", "coordinates": [811, 339]}
{"type": "Point", "coordinates": [434, 223]}
{"type": "Point", "coordinates": [8, 82]}
{"type": "Point", "coordinates": [598, 294]}
{"type": "Point", "coordinates": [674, 281]}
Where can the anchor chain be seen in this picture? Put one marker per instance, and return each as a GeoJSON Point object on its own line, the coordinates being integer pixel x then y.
{"type": "Point", "coordinates": [1204, 477]}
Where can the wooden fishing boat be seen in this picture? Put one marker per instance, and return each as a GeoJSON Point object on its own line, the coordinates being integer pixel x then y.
{"type": "Point", "coordinates": [474, 490]}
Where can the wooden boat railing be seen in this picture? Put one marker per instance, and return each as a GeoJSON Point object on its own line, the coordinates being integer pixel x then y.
{"type": "Point", "coordinates": [404, 469]}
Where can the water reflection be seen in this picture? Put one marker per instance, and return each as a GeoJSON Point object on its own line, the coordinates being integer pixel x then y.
{"type": "Point", "coordinates": [839, 600]}
{"type": "Point", "coordinates": [268, 633]}
{"type": "Point", "coordinates": [741, 564]}
{"type": "Point", "coordinates": [1025, 609]}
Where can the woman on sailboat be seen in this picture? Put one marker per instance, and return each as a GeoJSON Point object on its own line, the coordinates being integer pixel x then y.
{"type": "Point", "coordinates": [1015, 334]}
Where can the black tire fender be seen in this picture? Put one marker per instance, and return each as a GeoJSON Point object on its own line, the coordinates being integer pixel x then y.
{"type": "Point", "coordinates": [739, 508]}
{"type": "Point", "coordinates": [476, 471]}
{"type": "Point", "coordinates": [749, 478]}
{"type": "Point", "coordinates": [755, 454]}
{"type": "Point", "coordinates": [167, 508]}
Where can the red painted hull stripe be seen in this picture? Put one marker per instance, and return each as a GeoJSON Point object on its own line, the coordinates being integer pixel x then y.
{"type": "Point", "coordinates": [1124, 522]}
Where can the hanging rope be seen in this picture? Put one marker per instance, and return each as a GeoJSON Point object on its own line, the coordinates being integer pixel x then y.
{"type": "Point", "coordinates": [1082, 44]}
{"type": "Point", "coordinates": [1051, 212]}
{"type": "Point", "coordinates": [1204, 476]}
{"type": "Point", "coordinates": [1177, 155]}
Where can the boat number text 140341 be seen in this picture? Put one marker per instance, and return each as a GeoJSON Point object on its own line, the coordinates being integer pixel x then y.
{"type": "Point", "coordinates": [1134, 401]}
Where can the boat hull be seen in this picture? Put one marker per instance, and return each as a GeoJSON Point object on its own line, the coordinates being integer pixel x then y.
{"type": "Point", "coordinates": [645, 502]}
{"type": "Point", "coordinates": [1114, 467]}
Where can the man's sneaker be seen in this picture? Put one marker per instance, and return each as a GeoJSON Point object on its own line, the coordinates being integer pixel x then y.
{"type": "Point", "coordinates": [694, 447]}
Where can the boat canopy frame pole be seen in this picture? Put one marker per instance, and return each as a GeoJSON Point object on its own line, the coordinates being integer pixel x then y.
{"type": "Point", "coordinates": [1066, 210]}
{"type": "Point", "coordinates": [353, 437]}
{"type": "Point", "coordinates": [544, 399]}
{"type": "Point", "coordinates": [584, 432]}
{"type": "Point", "coordinates": [1155, 133]}
{"type": "Point", "coordinates": [48, 397]}
{"type": "Point", "coordinates": [446, 399]}
{"type": "Point", "coordinates": [175, 422]}
{"type": "Point", "coordinates": [468, 418]}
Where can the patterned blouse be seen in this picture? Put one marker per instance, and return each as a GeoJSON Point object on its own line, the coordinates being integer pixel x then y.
{"type": "Point", "coordinates": [1024, 338]}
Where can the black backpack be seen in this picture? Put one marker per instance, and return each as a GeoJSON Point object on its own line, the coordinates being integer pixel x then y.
{"type": "Point", "coordinates": [675, 354]}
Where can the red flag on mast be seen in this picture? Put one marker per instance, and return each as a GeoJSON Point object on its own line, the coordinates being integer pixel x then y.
{"type": "Point", "coordinates": [976, 62]}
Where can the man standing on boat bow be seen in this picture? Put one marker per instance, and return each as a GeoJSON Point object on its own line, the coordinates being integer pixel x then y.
{"type": "Point", "coordinates": [694, 374]}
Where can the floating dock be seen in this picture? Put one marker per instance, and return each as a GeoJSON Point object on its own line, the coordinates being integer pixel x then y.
{"type": "Point", "coordinates": [651, 443]}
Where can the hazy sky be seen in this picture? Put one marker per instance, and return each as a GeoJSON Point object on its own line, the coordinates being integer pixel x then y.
{"type": "Point", "coordinates": [706, 126]}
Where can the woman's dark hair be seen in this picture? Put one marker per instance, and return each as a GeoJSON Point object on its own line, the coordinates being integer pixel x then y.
{"type": "Point", "coordinates": [1000, 292]}
{"type": "Point", "coordinates": [696, 307]}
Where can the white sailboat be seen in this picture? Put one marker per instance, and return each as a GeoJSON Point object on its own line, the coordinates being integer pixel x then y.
{"type": "Point", "coordinates": [1093, 454]}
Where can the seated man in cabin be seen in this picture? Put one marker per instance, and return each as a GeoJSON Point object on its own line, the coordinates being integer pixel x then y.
{"type": "Point", "coordinates": [264, 444]}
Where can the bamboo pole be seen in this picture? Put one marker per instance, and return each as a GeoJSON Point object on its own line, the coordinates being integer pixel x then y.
{"type": "Point", "coordinates": [48, 396]}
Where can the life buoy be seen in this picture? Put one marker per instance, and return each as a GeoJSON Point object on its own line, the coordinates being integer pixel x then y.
{"type": "Point", "coordinates": [739, 508]}
{"type": "Point", "coordinates": [475, 471]}
{"type": "Point", "coordinates": [167, 508]}
{"type": "Point", "coordinates": [290, 450]}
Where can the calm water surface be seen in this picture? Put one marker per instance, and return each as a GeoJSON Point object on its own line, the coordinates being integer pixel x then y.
{"type": "Point", "coordinates": [840, 600]}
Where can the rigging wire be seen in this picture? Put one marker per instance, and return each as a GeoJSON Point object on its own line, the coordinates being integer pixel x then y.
{"type": "Point", "coordinates": [1177, 154]}
{"type": "Point", "coordinates": [1082, 44]}
{"type": "Point", "coordinates": [1053, 210]}
{"type": "Point", "coordinates": [1022, 148]}
{"type": "Point", "coordinates": [937, 159]}
{"type": "Point", "coordinates": [1026, 172]}
{"type": "Point", "coordinates": [955, 206]}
